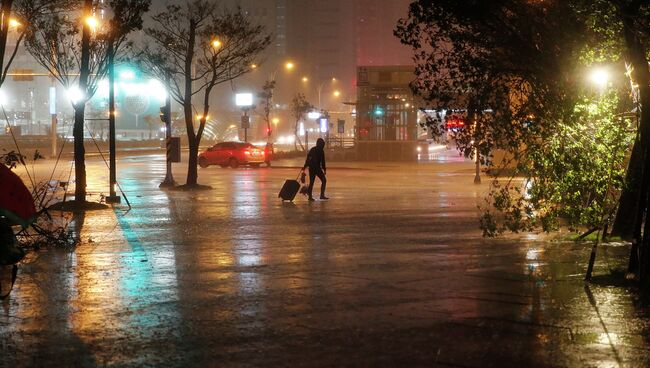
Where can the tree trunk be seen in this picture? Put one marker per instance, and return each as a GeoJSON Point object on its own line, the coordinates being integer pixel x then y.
{"type": "Point", "coordinates": [192, 174]}
{"type": "Point", "coordinates": [629, 201]}
{"type": "Point", "coordinates": [79, 152]}
{"type": "Point", "coordinates": [80, 109]}
{"type": "Point", "coordinates": [192, 171]}
{"type": "Point", "coordinates": [297, 140]}
{"type": "Point", "coordinates": [636, 53]}
{"type": "Point", "coordinates": [644, 197]}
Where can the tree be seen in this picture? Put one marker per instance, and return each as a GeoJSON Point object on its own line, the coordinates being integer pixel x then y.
{"type": "Point", "coordinates": [299, 107]}
{"type": "Point", "coordinates": [16, 16]}
{"type": "Point", "coordinates": [74, 48]}
{"type": "Point", "coordinates": [266, 96]}
{"type": "Point", "coordinates": [197, 46]}
{"type": "Point", "coordinates": [516, 67]}
{"type": "Point", "coordinates": [633, 32]}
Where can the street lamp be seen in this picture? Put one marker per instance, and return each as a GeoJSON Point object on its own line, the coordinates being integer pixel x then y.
{"type": "Point", "coordinates": [288, 66]}
{"type": "Point", "coordinates": [13, 23]}
{"type": "Point", "coordinates": [112, 197]}
{"type": "Point", "coordinates": [93, 23]}
{"type": "Point", "coordinates": [320, 89]}
{"type": "Point", "coordinates": [600, 77]}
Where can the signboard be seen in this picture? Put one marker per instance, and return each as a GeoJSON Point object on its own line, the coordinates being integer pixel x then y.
{"type": "Point", "coordinates": [362, 76]}
{"type": "Point", "coordinates": [244, 99]}
{"type": "Point", "coordinates": [245, 122]}
{"type": "Point", "coordinates": [324, 125]}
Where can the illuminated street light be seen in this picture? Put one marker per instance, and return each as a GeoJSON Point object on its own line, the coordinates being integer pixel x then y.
{"type": "Point", "coordinates": [127, 74]}
{"type": "Point", "coordinates": [289, 65]}
{"type": "Point", "coordinates": [336, 93]}
{"type": "Point", "coordinates": [275, 121]}
{"type": "Point", "coordinates": [216, 44]}
{"type": "Point", "coordinates": [75, 94]}
{"type": "Point", "coordinates": [92, 22]}
{"type": "Point", "coordinates": [600, 77]}
{"type": "Point", "coordinates": [253, 66]}
{"type": "Point", "coordinates": [305, 79]}
{"type": "Point", "coordinates": [13, 23]}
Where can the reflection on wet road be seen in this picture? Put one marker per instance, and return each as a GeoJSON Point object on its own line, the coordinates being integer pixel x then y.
{"type": "Point", "coordinates": [391, 271]}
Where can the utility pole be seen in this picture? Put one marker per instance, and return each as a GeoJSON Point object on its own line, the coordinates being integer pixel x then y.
{"type": "Point", "coordinates": [113, 197]}
{"type": "Point", "coordinates": [166, 117]}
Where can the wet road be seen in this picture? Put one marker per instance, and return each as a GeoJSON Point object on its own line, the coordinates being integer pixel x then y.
{"type": "Point", "coordinates": [392, 271]}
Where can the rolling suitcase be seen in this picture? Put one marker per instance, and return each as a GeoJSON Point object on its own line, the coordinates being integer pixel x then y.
{"type": "Point", "coordinates": [289, 190]}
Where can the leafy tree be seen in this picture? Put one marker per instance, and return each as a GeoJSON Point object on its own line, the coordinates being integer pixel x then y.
{"type": "Point", "coordinates": [628, 26]}
{"type": "Point", "coordinates": [572, 178]}
{"type": "Point", "coordinates": [299, 107]}
{"type": "Point", "coordinates": [517, 68]}
{"type": "Point", "coordinates": [13, 18]}
{"type": "Point", "coordinates": [197, 46]}
{"type": "Point", "coordinates": [75, 52]}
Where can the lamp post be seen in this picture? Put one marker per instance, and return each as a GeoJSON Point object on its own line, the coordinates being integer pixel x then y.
{"type": "Point", "coordinates": [319, 89]}
{"type": "Point", "coordinates": [166, 115]}
{"type": "Point", "coordinates": [112, 197]}
{"type": "Point", "coordinates": [288, 66]}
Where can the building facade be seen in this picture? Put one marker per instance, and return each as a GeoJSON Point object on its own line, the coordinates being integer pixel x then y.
{"type": "Point", "coordinates": [386, 114]}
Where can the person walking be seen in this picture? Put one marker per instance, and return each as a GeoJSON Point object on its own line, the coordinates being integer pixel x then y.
{"type": "Point", "coordinates": [316, 163]}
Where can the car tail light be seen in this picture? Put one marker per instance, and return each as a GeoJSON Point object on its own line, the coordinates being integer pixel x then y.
{"type": "Point", "coordinates": [247, 152]}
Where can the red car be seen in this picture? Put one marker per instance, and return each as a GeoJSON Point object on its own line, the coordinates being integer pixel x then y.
{"type": "Point", "coordinates": [232, 154]}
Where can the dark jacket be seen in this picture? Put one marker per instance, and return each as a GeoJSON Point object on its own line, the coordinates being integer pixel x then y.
{"type": "Point", "coordinates": [315, 159]}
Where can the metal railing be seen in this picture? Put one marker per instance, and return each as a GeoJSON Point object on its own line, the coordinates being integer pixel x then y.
{"type": "Point", "coordinates": [387, 133]}
{"type": "Point", "coordinates": [339, 142]}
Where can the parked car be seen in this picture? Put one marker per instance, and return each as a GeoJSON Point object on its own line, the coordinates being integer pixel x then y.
{"type": "Point", "coordinates": [232, 154]}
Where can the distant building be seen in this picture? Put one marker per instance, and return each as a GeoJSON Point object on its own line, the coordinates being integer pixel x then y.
{"type": "Point", "coordinates": [386, 114]}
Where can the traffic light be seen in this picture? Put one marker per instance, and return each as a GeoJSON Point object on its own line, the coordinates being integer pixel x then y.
{"type": "Point", "coordinates": [164, 115]}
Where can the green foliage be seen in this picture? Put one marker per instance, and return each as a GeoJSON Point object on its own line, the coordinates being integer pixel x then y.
{"type": "Point", "coordinates": [571, 178]}
{"type": "Point", "coordinates": [501, 61]}
{"type": "Point", "coordinates": [519, 70]}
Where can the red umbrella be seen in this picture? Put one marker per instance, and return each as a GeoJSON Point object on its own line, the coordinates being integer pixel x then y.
{"type": "Point", "coordinates": [16, 202]}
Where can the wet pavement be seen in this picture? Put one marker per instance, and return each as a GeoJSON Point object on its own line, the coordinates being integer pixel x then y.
{"type": "Point", "coordinates": [392, 271]}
